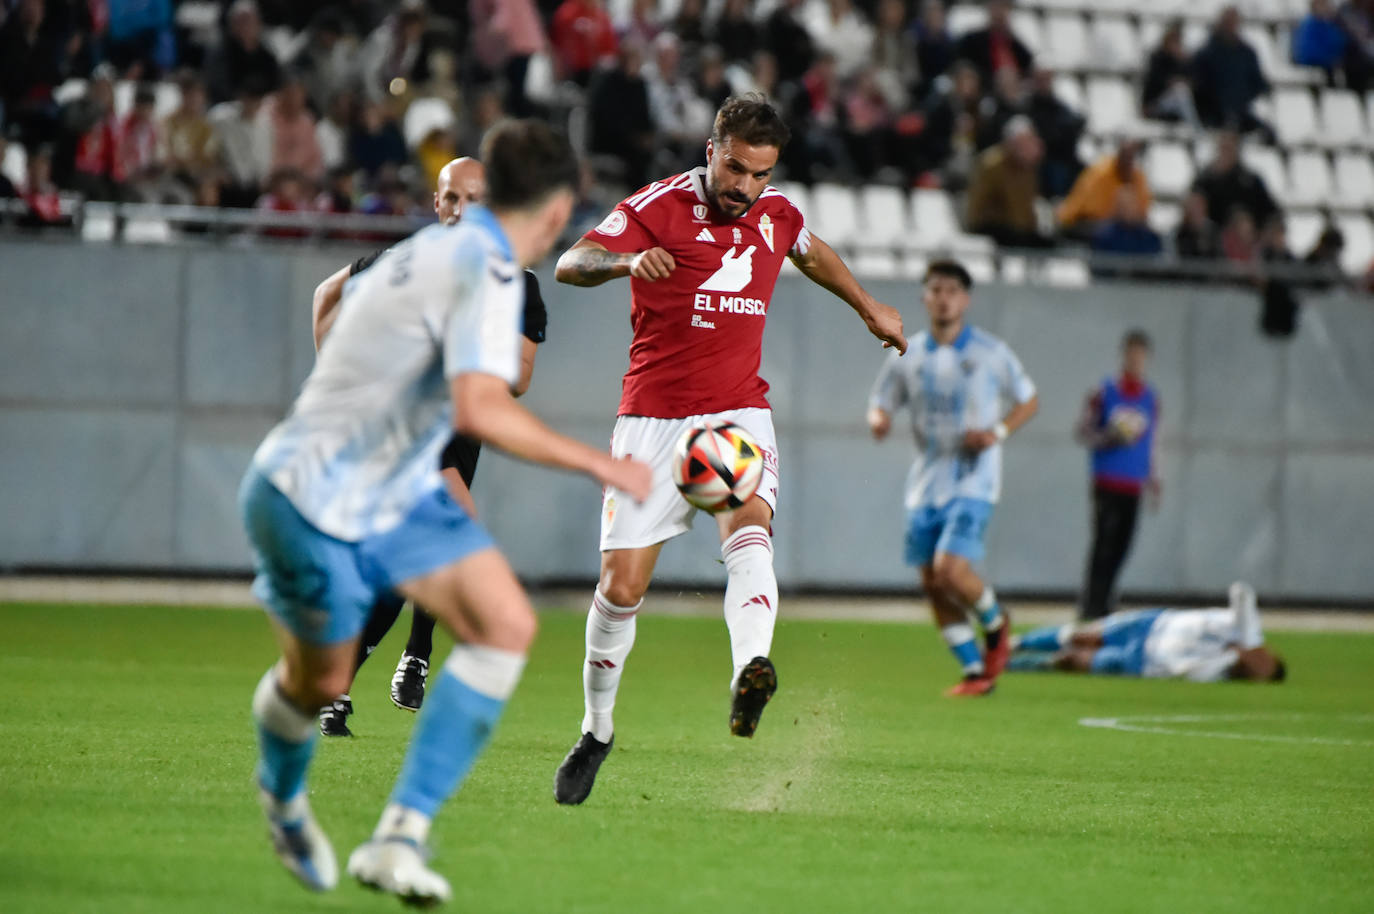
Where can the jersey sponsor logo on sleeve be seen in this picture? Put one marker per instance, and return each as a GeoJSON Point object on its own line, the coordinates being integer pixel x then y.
{"type": "Point", "coordinates": [766, 230]}
{"type": "Point", "coordinates": [736, 271]}
{"type": "Point", "coordinates": [613, 224]}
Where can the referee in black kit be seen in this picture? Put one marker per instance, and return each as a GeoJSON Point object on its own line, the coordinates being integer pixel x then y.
{"type": "Point", "coordinates": [461, 182]}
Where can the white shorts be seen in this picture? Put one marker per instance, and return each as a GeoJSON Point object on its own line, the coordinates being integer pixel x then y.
{"type": "Point", "coordinates": [666, 514]}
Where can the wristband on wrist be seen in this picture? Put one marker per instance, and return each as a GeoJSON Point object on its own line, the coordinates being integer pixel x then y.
{"type": "Point", "coordinates": [1001, 431]}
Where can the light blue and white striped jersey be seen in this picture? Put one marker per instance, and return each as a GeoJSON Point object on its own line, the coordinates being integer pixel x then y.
{"type": "Point", "coordinates": [949, 390]}
{"type": "Point", "coordinates": [361, 444]}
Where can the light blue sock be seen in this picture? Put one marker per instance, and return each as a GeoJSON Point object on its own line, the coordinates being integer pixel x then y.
{"type": "Point", "coordinates": [1031, 662]}
{"type": "Point", "coordinates": [1046, 639]}
{"type": "Point", "coordinates": [455, 724]}
{"type": "Point", "coordinates": [286, 740]}
{"type": "Point", "coordinates": [960, 639]}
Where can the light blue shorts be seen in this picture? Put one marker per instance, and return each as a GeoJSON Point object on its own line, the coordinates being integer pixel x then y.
{"type": "Point", "coordinates": [322, 588]}
{"type": "Point", "coordinates": [957, 527]}
{"type": "Point", "coordinates": [1123, 643]}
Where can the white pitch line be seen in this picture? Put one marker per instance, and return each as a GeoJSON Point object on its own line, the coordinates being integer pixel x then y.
{"type": "Point", "coordinates": [1142, 724]}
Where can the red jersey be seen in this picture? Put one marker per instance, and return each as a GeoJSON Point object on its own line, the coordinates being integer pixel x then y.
{"type": "Point", "coordinates": [698, 335]}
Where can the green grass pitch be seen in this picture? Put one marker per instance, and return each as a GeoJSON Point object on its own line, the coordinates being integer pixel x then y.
{"type": "Point", "coordinates": [126, 750]}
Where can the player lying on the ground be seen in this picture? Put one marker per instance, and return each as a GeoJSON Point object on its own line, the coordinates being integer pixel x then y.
{"type": "Point", "coordinates": [966, 392]}
{"type": "Point", "coordinates": [702, 251]}
{"type": "Point", "coordinates": [1204, 645]}
{"type": "Point", "coordinates": [344, 500]}
{"type": "Point", "coordinates": [461, 182]}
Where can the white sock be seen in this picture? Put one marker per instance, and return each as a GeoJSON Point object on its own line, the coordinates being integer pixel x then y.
{"type": "Point", "coordinates": [402, 822]}
{"type": "Point", "coordinates": [610, 635]}
{"type": "Point", "coordinates": [277, 715]}
{"type": "Point", "coordinates": [488, 671]}
{"type": "Point", "coordinates": [751, 595]}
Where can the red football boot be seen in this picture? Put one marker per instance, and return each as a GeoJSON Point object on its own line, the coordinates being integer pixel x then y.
{"type": "Point", "coordinates": [971, 687]}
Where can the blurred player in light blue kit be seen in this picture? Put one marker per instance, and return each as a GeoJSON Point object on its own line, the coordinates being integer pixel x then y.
{"type": "Point", "coordinates": [344, 500]}
{"type": "Point", "coordinates": [966, 392]}
{"type": "Point", "coordinates": [1204, 645]}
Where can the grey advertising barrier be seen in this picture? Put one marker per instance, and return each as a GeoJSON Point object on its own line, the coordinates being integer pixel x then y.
{"type": "Point", "coordinates": [136, 381]}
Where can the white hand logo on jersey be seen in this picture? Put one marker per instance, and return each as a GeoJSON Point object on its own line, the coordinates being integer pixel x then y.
{"type": "Point", "coordinates": [734, 274]}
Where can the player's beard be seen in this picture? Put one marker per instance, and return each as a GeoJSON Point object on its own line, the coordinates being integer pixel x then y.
{"type": "Point", "coordinates": [718, 200]}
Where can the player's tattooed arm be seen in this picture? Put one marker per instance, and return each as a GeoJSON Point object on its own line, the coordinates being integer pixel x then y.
{"type": "Point", "coordinates": [589, 264]}
{"type": "Point", "coordinates": [820, 264]}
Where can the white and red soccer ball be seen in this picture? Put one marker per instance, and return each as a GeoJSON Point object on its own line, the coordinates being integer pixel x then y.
{"type": "Point", "coordinates": [717, 467]}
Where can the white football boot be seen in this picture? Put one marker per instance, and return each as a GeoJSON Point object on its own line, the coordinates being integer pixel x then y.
{"type": "Point", "coordinates": [300, 843]}
{"type": "Point", "coordinates": [397, 866]}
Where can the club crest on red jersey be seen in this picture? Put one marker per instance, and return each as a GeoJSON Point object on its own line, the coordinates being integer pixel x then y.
{"type": "Point", "coordinates": [766, 230]}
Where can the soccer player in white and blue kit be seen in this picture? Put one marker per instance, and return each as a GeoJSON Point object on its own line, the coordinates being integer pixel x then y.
{"type": "Point", "coordinates": [1203, 645]}
{"type": "Point", "coordinates": [344, 500]}
{"type": "Point", "coordinates": [966, 392]}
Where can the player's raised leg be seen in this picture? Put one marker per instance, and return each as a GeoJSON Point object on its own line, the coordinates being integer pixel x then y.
{"type": "Point", "coordinates": [309, 583]}
{"type": "Point", "coordinates": [480, 601]}
{"type": "Point", "coordinates": [751, 609]}
{"type": "Point", "coordinates": [625, 577]}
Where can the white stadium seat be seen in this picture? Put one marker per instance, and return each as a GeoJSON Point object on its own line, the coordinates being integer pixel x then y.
{"type": "Point", "coordinates": [1013, 272]}
{"type": "Point", "coordinates": [1295, 116]}
{"type": "Point", "coordinates": [1026, 26]}
{"type": "Point", "coordinates": [1342, 118]}
{"type": "Point", "coordinates": [1066, 272]}
{"type": "Point", "coordinates": [1359, 243]}
{"type": "Point", "coordinates": [797, 193]}
{"type": "Point", "coordinates": [147, 230]}
{"type": "Point", "coordinates": [16, 164]}
{"type": "Point", "coordinates": [1267, 162]}
{"type": "Point", "coordinates": [1304, 228]}
{"type": "Point", "coordinates": [883, 217]}
{"type": "Point", "coordinates": [1111, 105]}
{"type": "Point", "coordinates": [963, 18]}
{"type": "Point", "coordinates": [933, 218]}
{"type": "Point", "coordinates": [1066, 42]}
{"type": "Point", "coordinates": [980, 267]}
{"type": "Point", "coordinates": [876, 265]}
{"type": "Point", "coordinates": [1309, 179]}
{"type": "Point", "coordinates": [1169, 168]}
{"type": "Point", "coordinates": [1088, 148]}
{"type": "Point", "coordinates": [1115, 45]}
{"type": "Point", "coordinates": [835, 215]}
{"type": "Point", "coordinates": [913, 266]}
{"type": "Point", "coordinates": [1164, 217]}
{"type": "Point", "coordinates": [1069, 90]}
{"type": "Point", "coordinates": [1355, 179]}
{"type": "Point", "coordinates": [1262, 40]}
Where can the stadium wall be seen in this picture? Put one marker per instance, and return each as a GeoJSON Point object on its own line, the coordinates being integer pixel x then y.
{"type": "Point", "coordinates": [136, 381]}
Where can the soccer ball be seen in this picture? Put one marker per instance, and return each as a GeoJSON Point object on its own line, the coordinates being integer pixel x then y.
{"type": "Point", "coordinates": [717, 466]}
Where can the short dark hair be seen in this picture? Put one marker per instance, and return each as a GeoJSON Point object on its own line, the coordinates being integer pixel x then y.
{"type": "Point", "coordinates": [526, 161]}
{"type": "Point", "coordinates": [951, 269]}
{"type": "Point", "coordinates": [1136, 337]}
{"type": "Point", "coordinates": [752, 119]}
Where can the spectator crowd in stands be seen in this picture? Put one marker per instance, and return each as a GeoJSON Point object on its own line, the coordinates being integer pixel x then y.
{"type": "Point", "coordinates": [354, 105]}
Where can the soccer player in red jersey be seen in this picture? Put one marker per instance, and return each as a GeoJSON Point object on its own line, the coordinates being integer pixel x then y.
{"type": "Point", "coordinates": [703, 251]}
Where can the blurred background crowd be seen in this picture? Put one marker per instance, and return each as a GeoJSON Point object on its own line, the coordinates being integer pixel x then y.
{"type": "Point", "coordinates": [353, 106]}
